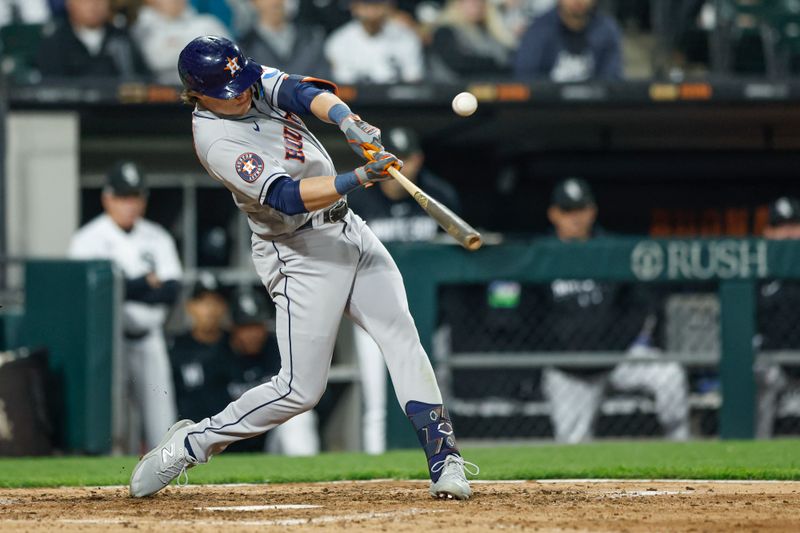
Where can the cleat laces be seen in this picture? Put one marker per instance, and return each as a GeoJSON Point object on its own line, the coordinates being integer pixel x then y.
{"type": "Point", "coordinates": [177, 470]}
{"type": "Point", "coordinates": [455, 464]}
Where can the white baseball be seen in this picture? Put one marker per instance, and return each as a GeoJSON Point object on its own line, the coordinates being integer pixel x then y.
{"type": "Point", "coordinates": [465, 104]}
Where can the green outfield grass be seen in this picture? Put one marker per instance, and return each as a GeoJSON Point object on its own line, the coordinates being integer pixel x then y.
{"type": "Point", "coordinates": [779, 459]}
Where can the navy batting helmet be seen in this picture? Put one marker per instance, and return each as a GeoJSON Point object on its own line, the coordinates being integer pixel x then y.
{"type": "Point", "coordinates": [216, 67]}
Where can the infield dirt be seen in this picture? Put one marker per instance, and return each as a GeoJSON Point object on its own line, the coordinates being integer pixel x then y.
{"type": "Point", "coordinates": [405, 506]}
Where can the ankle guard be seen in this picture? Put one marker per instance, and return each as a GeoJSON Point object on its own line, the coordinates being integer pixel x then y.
{"type": "Point", "coordinates": [435, 432]}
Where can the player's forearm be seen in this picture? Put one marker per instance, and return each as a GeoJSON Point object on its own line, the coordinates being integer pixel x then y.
{"type": "Point", "coordinates": [318, 192]}
{"type": "Point", "coordinates": [295, 197]}
{"type": "Point", "coordinates": [322, 104]}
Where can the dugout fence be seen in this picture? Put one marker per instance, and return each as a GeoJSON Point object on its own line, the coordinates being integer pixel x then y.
{"type": "Point", "coordinates": [717, 326]}
{"type": "Point", "coordinates": [709, 350]}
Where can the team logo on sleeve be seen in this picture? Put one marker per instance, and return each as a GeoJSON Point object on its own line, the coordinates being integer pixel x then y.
{"type": "Point", "coordinates": [233, 66]}
{"type": "Point", "coordinates": [249, 166]}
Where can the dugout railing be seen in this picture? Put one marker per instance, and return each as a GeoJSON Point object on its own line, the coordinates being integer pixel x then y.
{"type": "Point", "coordinates": [734, 267]}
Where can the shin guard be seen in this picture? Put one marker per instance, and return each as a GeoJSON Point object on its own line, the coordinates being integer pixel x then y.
{"type": "Point", "coordinates": [435, 432]}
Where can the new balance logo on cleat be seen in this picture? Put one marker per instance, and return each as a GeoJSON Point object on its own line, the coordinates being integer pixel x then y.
{"type": "Point", "coordinates": [168, 452]}
{"type": "Point", "coordinates": [151, 475]}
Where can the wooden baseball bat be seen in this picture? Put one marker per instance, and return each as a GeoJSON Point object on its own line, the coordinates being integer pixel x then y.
{"type": "Point", "coordinates": [463, 233]}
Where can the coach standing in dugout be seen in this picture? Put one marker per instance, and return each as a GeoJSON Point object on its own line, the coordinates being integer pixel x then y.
{"type": "Point", "coordinates": [593, 315]}
{"type": "Point", "coordinates": [146, 255]}
{"type": "Point", "coordinates": [778, 316]}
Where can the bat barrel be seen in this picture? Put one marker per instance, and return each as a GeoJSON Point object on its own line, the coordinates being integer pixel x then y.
{"type": "Point", "coordinates": [473, 241]}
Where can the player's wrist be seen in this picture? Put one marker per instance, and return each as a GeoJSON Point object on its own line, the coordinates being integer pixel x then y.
{"type": "Point", "coordinates": [339, 113]}
{"type": "Point", "coordinates": [347, 182]}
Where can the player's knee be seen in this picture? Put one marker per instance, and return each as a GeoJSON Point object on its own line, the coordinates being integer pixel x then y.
{"type": "Point", "coordinates": [305, 400]}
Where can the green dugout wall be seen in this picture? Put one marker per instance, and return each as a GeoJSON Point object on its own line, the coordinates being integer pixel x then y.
{"type": "Point", "coordinates": [735, 264]}
{"type": "Point", "coordinates": [69, 308]}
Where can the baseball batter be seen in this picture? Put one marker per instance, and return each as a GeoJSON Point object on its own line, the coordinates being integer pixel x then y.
{"type": "Point", "coordinates": [146, 255]}
{"type": "Point", "coordinates": [315, 257]}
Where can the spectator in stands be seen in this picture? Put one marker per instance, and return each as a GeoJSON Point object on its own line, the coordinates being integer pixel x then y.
{"type": "Point", "coordinates": [164, 27]}
{"type": "Point", "coordinates": [146, 255]}
{"type": "Point", "coordinates": [253, 359]}
{"type": "Point", "coordinates": [199, 356]}
{"type": "Point", "coordinates": [373, 48]}
{"type": "Point", "coordinates": [280, 43]}
{"type": "Point", "coordinates": [573, 42]}
{"type": "Point", "coordinates": [222, 10]}
{"type": "Point", "coordinates": [394, 216]}
{"type": "Point", "coordinates": [471, 41]}
{"type": "Point", "coordinates": [518, 14]}
{"type": "Point", "coordinates": [24, 12]}
{"type": "Point", "coordinates": [778, 313]}
{"type": "Point", "coordinates": [330, 14]}
{"type": "Point", "coordinates": [589, 315]}
{"type": "Point", "coordinates": [86, 44]}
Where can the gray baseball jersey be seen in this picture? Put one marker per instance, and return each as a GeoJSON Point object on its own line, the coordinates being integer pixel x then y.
{"type": "Point", "coordinates": [248, 153]}
{"type": "Point", "coordinates": [314, 275]}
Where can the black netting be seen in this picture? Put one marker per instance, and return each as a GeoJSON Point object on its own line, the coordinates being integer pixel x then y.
{"type": "Point", "coordinates": [578, 359]}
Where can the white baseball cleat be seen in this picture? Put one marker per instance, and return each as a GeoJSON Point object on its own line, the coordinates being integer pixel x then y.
{"type": "Point", "coordinates": [163, 463]}
{"type": "Point", "coordinates": [452, 483]}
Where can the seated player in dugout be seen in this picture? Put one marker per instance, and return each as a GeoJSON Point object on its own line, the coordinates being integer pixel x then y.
{"type": "Point", "coordinates": [594, 316]}
{"type": "Point", "coordinates": [390, 212]}
{"type": "Point", "coordinates": [253, 358]}
{"type": "Point", "coordinates": [317, 260]}
{"type": "Point", "coordinates": [198, 356]}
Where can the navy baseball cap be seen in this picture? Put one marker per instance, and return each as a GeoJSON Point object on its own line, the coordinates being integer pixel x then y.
{"type": "Point", "coordinates": [571, 194]}
{"type": "Point", "coordinates": [216, 67]}
{"type": "Point", "coordinates": [126, 179]}
{"type": "Point", "coordinates": [206, 283]}
{"type": "Point", "coordinates": [249, 307]}
{"type": "Point", "coordinates": [401, 141]}
{"type": "Point", "coordinates": [784, 210]}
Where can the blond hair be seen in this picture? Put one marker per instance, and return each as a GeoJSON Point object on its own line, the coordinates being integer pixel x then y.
{"type": "Point", "coordinates": [189, 97]}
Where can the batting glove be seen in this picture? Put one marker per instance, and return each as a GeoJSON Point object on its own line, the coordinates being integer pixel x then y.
{"type": "Point", "coordinates": [361, 135]}
{"type": "Point", "coordinates": [374, 171]}
{"type": "Point", "coordinates": [378, 169]}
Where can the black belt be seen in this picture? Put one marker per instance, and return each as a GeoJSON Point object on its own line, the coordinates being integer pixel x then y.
{"type": "Point", "coordinates": [334, 213]}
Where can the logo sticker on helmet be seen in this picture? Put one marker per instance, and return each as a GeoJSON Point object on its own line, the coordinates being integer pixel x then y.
{"type": "Point", "coordinates": [249, 166]}
{"type": "Point", "coordinates": [233, 66]}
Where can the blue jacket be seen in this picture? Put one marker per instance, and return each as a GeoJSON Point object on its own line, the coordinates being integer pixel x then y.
{"type": "Point", "coordinates": [549, 50]}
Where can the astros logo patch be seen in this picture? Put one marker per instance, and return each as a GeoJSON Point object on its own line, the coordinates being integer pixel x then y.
{"type": "Point", "coordinates": [249, 166]}
{"type": "Point", "coordinates": [233, 66]}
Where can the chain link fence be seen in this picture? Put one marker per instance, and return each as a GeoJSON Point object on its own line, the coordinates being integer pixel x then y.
{"type": "Point", "coordinates": [580, 359]}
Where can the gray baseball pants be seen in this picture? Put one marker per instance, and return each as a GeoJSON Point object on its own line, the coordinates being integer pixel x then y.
{"type": "Point", "coordinates": [315, 276]}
